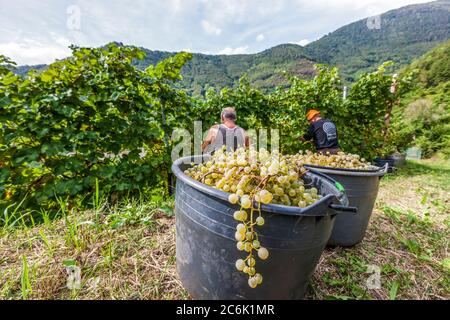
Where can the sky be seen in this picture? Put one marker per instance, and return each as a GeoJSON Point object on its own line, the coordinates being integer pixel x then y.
{"type": "Point", "coordinates": [40, 31]}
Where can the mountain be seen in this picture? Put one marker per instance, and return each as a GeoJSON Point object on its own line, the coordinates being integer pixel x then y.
{"type": "Point", "coordinates": [264, 68]}
{"type": "Point", "coordinates": [403, 34]}
{"type": "Point", "coordinates": [22, 70]}
{"type": "Point", "coordinates": [433, 68]}
{"type": "Point", "coordinates": [399, 35]}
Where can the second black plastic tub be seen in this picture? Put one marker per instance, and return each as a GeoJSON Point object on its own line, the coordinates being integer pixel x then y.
{"type": "Point", "coordinates": [206, 249]}
{"type": "Point", "coordinates": [381, 162]}
{"type": "Point", "coordinates": [361, 187]}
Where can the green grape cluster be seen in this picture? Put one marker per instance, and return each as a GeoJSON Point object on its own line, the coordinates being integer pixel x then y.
{"type": "Point", "coordinates": [253, 178]}
{"type": "Point", "coordinates": [340, 160]}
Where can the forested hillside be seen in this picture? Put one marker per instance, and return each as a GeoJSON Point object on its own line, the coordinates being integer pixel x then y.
{"type": "Point", "coordinates": [264, 69]}
{"type": "Point", "coordinates": [425, 110]}
{"type": "Point", "coordinates": [403, 34]}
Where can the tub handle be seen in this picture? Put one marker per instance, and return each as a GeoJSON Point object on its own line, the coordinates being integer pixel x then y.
{"type": "Point", "coordinates": [341, 208]}
{"type": "Point", "coordinates": [385, 170]}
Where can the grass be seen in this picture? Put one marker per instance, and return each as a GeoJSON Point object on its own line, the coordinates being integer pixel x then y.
{"type": "Point", "coordinates": [128, 251]}
{"type": "Point", "coordinates": [123, 252]}
{"type": "Point", "coordinates": [407, 241]}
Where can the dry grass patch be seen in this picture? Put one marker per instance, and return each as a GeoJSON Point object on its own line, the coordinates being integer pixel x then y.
{"type": "Point", "coordinates": [131, 261]}
{"type": "Point", "coordinates": [407, 240]}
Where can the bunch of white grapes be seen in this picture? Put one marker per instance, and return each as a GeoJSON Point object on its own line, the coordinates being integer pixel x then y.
{"type": "Point", "coordinates": [341, 160]}
{"type": "Point", "coordinates": [253, 178]}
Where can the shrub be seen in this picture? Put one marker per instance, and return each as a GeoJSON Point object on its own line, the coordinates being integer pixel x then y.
{"type": "Point", "coordinates": [91, 116]}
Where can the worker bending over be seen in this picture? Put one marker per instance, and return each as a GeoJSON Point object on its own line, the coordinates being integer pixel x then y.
{"type": "Point", "coordinates": [323, 132]}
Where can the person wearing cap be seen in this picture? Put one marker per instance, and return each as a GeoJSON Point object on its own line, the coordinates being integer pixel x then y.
{"type": "Point", "coordinates": [323, 132]}
{"type": "Point", "coordinates": [226, 134]}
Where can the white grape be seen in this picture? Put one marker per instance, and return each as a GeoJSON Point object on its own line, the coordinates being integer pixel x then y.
{"type": "Point", "coordinates": [239, 236]}
{"type": "Point", "coordinates": [240, 265]}
{"type": "Point", "coordinates": [259, 278]}
{"type": "Point", "coordinates": [302, 204]}
{"type": "Point", "coordinates": [252, 282]}
{"type": "Point", "coordinates": [241, 228]}
{"type": "Point", "coordinates": [260, 221]}
{"type": "Point", "coordinates": [263, 253]}
{"type": "Point", "coordinates": [233, 198]}
{"type": "Point", "coordinates": [265, 196]}
{"type": "Point", "coordinates": [246, 202]}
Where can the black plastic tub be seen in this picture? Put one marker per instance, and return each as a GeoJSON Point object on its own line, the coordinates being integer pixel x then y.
{"type": "Point", "coordinates": [206, 249]}
{"type": "Point", "coordinates": [361, 187]}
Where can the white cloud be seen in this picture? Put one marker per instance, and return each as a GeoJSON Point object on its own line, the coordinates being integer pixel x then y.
{"type": "Point", "coordinates": [260, 37]}
{"type": "Point", "coordinates": [60, 40]}
{"type": "Point", "coordinates": [210, 29]}
{"type": "Point", "coordinates": [302, 43]}
{"type": "Point", "coordinates": [238, 50]}
{"type": "Point", "coordinates": [241, 11]}
{"type": "Point", "coordinates": [32, 52]}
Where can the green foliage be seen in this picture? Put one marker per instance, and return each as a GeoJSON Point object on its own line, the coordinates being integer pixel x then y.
{"type": "Point", "coordinates": [5, 65]}
{"type": "Point", "coordinates": [95, 120]}
{"type": "Point", "coordinates": [91, 116]}
{"type": "Point", "coordinates": [359, 118]}
{"type": "Point", "coordinates": [424, 121]}
{"type": "Point", "coordinates": [434, 67]}
{"type": "Point", "coordinates": [370, 100]}
{"type": "Point", "coordinates": [423, 117]}
{"type": "Point", "coordinates": [253, 106]}
{"type": "Point", "coordinates": [322, 92]}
